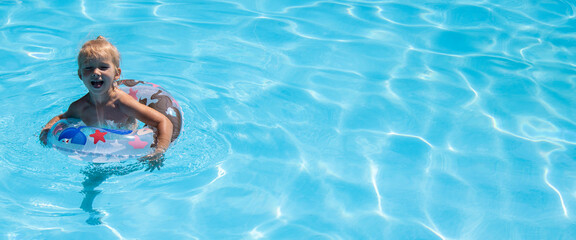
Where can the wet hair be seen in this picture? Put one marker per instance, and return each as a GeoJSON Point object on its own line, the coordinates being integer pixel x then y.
{"type": "Point", "coordinates": [97, 49]}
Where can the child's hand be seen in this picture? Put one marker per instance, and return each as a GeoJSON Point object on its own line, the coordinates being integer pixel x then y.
{"type": "Point", "coordinates": [154, 160]}
{"type": "Point", "coordinates": [44, 136]}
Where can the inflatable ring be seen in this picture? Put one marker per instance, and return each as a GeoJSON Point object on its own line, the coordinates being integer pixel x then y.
{"type": "Point", "coordinates": [112, 145]}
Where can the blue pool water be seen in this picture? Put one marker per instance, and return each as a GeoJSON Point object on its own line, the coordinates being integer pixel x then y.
{"type": "Point", "coordinates": [303, 120]}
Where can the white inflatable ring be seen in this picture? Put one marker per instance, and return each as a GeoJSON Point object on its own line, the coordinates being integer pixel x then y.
{"type": "Point", "coordinates": [111, 145]}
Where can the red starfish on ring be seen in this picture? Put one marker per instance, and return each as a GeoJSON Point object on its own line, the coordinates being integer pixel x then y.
{"type": "Point", "coordinates": [98, 136]}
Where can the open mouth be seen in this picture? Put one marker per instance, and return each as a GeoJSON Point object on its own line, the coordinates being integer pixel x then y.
{"type": "Point", "coordinates": [97, 84]}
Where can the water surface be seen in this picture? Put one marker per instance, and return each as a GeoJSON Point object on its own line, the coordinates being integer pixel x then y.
{"type": "Point", "coordinates": [303, 120]}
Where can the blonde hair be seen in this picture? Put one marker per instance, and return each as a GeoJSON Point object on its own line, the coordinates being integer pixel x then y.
{"type": "Point", "coordinates": [97, 49]}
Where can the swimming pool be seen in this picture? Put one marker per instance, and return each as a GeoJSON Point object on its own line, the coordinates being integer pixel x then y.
{"type": "Point", "coordinates": [303, 120]}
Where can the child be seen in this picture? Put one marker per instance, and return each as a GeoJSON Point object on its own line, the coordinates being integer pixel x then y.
{"type": "Point", "coordinates": [99, 68]}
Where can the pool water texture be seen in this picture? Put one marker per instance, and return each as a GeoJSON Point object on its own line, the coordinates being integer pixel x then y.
{"type": "Point", "coordinates": [303, 120]}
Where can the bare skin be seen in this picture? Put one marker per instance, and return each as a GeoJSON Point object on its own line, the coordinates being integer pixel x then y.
{"type": "Point", "coordinates": [105, 102]}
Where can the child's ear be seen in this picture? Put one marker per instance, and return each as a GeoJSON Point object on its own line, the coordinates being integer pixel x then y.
{"type": "Point", "coordinates": [118, 72]}
{"type": "Point", "coordinates": [79, 74]}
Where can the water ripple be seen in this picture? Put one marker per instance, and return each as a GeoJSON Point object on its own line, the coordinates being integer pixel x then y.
{"type": "Point", "coordinates": [341, 119]}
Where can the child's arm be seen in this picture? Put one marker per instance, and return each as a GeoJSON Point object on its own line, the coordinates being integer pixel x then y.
{"type": "Point", "coordinates": [46, 128]}
{"type": "Point", "coordinates": [70, 113]}
{"type": "Point", "coordinates": [152, 118]}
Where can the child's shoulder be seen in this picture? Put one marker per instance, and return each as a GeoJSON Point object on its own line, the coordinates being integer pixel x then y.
{"type": "Point", "coordinates": [81, 102]}
{"type": "Point", "coordinates": [123, 96]}
{"type": "Point", "coordinates": [126, 99]}
{"type": "Point", "coordinates": [77, 107]}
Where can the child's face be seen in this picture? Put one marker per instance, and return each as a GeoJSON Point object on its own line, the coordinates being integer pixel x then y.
{"type": "Point", "coordinates": [98, 74]}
